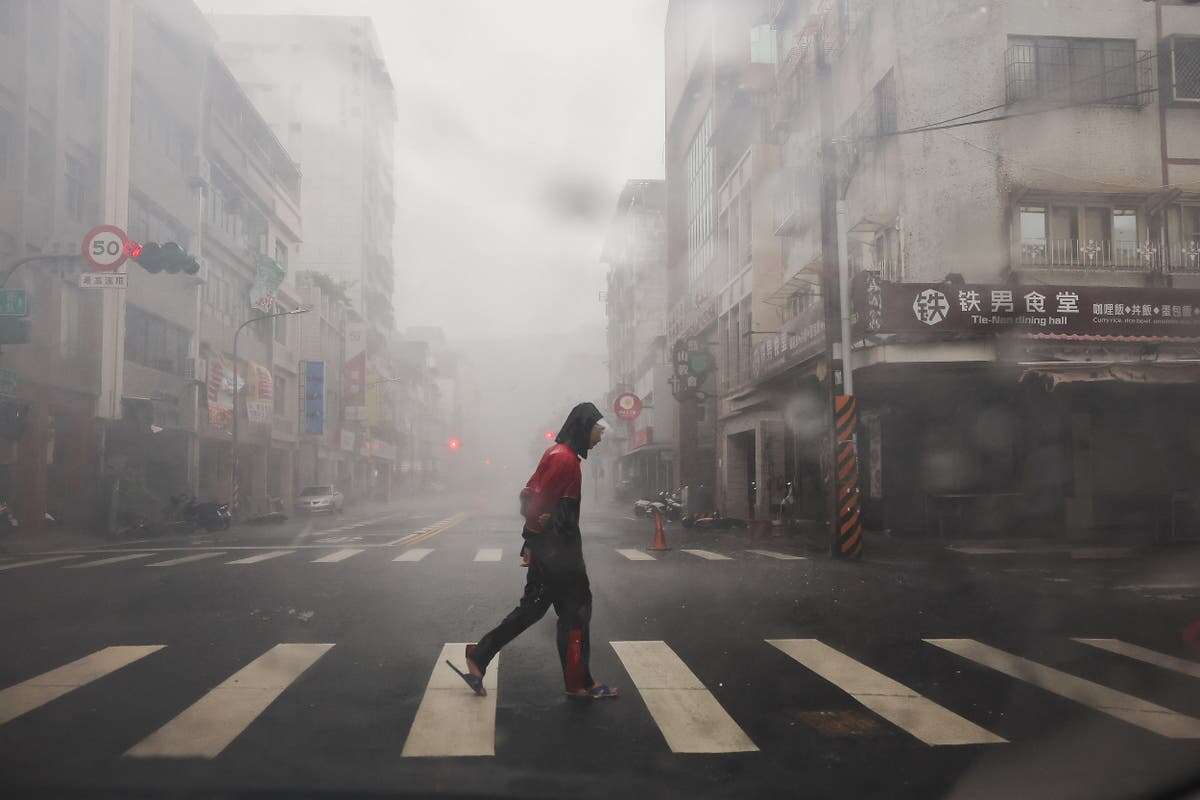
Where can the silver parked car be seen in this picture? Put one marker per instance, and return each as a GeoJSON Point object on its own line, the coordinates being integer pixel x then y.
{"type": "Point", "coordinates": [320, 498]}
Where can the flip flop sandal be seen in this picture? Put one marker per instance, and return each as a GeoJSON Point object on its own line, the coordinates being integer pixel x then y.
{"type": "Point", "coordinates": [598, 692]}
{"type": "Point", "coordinates": [475, 683]}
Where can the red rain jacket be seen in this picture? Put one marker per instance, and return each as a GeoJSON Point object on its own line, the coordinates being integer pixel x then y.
{"type": "Point", "coordinates": [557, 476]}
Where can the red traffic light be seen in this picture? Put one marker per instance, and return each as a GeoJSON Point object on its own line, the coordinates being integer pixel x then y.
{"type": "Point", "coordinates": [454, 443]}
{"type": "Point", "coordinates": [133, 249]}
{"type": "Point", "coordinates": [549, 436]}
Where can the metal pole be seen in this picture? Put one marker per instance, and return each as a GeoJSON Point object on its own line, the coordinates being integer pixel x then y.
{"type": "Point", "coordinates": [844, 297]}
{"type": "Point", "coordinates": [234, 501]}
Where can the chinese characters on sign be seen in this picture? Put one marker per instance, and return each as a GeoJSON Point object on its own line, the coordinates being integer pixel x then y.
{"type": "Point", "coordinates": [802, 337]}
{"type": "Point", "coordinates": [691, 363]}
{"type": "Point", "coordinates": [103, 280]}
{"type": "Point", "coordinates": [892, 308]}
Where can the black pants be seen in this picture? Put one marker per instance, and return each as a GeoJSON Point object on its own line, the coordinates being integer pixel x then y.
{"type": "Point", "coordinates": [557, 577]}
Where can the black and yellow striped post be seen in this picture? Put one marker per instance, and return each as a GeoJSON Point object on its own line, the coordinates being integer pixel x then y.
{"type": "Point", "coordinates": [849, 542]}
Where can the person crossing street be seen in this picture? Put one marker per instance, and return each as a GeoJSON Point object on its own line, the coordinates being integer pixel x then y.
{"type": "Point", "coordinates": [557, 575]}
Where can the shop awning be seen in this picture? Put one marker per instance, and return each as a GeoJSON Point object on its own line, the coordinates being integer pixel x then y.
{"type": "Point", "coordinates": [1052, 376]}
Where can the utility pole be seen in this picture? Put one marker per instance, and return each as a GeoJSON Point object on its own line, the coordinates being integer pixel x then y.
{"type": "Point", "coordinates": [842, 495]}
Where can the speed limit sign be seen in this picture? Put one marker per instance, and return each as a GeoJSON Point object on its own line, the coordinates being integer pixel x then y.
{"type": "Point", "coordinates": [104, 248]}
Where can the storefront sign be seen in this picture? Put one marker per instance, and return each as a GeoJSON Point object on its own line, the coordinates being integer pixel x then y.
{"type": "Point", "coordinates": [354, 372]}
{"type": "Point", "coordinates": [313, 394]}
{"type": "Point", "coordinates": [258, 412]}
{"type": "Point", "coordinates": [691, 363]}
{"type": "Point", "coordinates": [1100, 311]}
{"type": "Point", "coordinates": [627, 406]}
{"type": "Point", "coordinates": [801, 338]}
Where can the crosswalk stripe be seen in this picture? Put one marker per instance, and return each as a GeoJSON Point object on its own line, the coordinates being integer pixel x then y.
{"type": "Point", "coordinates": [103, 561]}
{"type": "Point", "coordinates": [489, 554]}
{"type": "Point", "coordinates": [416, 554]}
{"type": "Point", "coordinates": [261, 557]}
{"type": "Point", "coordinates": [1143, 654]}
{"type": "Point", "coordinates": [636, 555]}
{"type": "Point", "coordinates": [185, 559]}
{"type": "Point", "coordinates": [207, 727]}
{"type": "Point", "coordinates": [35, 562]}
{"type": "Point", "coordinates": [339, 555]}
{"type": "Point", "coordinates": [24, 697]}
{"type": "Point", "coordinates": [332, 540]}
{"type": "Point", "coordinates": [893, 701]}
{"type": "Point", "coordinates": [452, 720]}
{"type": "Point", "coordinates": [707, 554]}
{"type": "Point", "coordinates": [687, 714]}
{"type": "Point", "coordinates": [780, 556]}
{"type": "Point", "coordinates": [1134, 710]}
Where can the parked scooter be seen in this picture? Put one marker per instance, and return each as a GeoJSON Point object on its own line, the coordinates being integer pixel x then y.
{"type": "Point", "coordinates": [712, 520]}
{"type": "Point", "coordinates": [8, 522]}
{"type": "Point", "coordinates": [206, 514]}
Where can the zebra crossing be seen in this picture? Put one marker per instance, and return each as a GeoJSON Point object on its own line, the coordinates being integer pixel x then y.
{"type": "Point", "coordinates": [451, 721]}
{"type": "Point", "coordinates": [184, 556]}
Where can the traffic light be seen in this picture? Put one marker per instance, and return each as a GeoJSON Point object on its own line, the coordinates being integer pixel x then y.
{"type": "Point", "coordinates": [168, 257]}
{"type": "Point", "coordinates": [454, 443]}
{"type": "Point", "coordinates": [549, 436]}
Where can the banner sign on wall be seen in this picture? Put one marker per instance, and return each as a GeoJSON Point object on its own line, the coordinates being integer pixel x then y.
{"type": "Point", "coordinates": [314, 397]}
{"type": "Point", "coordinates": [1087, 311]}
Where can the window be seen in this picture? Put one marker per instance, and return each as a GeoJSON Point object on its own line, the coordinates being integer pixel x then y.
{"type": "Point", "coordinates": [279, 394]}
{"type": "Point", "coordinates": [41, 158]}
{"type": "Point", "coordinates": [1185, 69]}
{"type": "Point", "coordinates": [281, 253]}
{"type": "Point", "coordinates": [153, 342]}
{"type": "Point", "coordinates": [1124, 231]}
{"type": "Point", "coordinates": [1033, 230]}
{"type": "Point", "coordinates": [1065, 70]}
{"type": "Point", "coordinates": [7, 130]}
{"type": "Point", "coordinates": [76, 189]}
{"type": "Point", "coordinates": [698, 169]}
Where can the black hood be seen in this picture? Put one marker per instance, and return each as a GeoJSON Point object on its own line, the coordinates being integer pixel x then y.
{"type": "Point", "coordinates": [576, 432]}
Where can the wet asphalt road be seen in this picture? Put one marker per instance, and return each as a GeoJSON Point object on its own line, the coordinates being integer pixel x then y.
{"type": "Point", "coordinates": [339, 725]}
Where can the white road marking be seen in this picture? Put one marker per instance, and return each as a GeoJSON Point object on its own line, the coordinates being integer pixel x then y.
{"type": "Point", "coordinates": [1134, 710]}
{"type": "Point", "coordinates": [780, 556]}
{"type": "Point", "coordinates": [416, 554]}
{"type": "Point", "coordinates": [489, 554]}
{"type": "Point", "coordinates": [1004, 551]}
{"type": "Point", "coordinates": [1148, 656]}
{"type": "Point", "coordinates": [893, 701]}
{"type": "Point", "coordinates": [401, 540]}
{"type": "Point", "coordinates": [333, 539]}
{"type": "Point", "coordinates": [113, 560]}
{"type": "Point", "coordinates": [336, 556]}
{"type": "Point", "coordinates": [687, 714]}
{"type": "Point", "coordinates": [707, 554]}
{"type": "Point", "coordinates": [35, 562]}
{"type": "Point", "coordinates": [261, 557]}
{"type": "Point", "coordinates": [1161, 587]}
{"type": "Point", "coordinates": [186, 559]}
{"type": "Point", "coordinates": [636, 555]}
{"type": "Point", "coordinates": [24, 697]}
{"type": "Point", "coordinates": [208, 726]}
{"type": "Point", "coordinates": [452, 720]}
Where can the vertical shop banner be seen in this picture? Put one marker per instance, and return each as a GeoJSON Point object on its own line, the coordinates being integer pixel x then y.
{"type": "Point", "coordinates": [314, 397]}
{"type": "Point", "coordinates": [220, 393]}
{"type": "Point", "coordinates": [260, 399]}
{"type": "Point", "coordinates": [354, 374]}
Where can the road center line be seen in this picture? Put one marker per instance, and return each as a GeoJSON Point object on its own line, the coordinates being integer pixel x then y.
{"type": "Point", "coordinates": [113, 560]}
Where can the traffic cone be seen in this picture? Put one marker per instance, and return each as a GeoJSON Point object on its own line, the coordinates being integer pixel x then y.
{"type": "Point", "coordinates": [660, 536]}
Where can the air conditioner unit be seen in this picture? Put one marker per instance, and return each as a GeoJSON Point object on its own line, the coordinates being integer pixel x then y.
{"type": "Point", "coordinates": [1183, 68]}
{"type": "Point", "coordinates": [196, 369]}
{"type": "Point", "coordinates": [200, 172]}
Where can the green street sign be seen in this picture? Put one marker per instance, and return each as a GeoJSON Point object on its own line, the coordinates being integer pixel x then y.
{"type": "Point", "coordinates": [13, 303]}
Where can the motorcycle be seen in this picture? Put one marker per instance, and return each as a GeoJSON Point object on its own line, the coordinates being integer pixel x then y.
{"type": "Point", "coordinates": [8, 522]}
{"type": "Point", "coordinates": [206, 514]}
{"type": "Point", "coordinates": [712, 520]}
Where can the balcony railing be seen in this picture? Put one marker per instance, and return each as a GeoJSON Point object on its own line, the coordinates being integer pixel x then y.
{"type": "Point", "coordinates": [1091, 254]}
{"type": "Point", "coordinates": [1184, 257]}
{"type": "Point", "coordinates": [1086, 72]}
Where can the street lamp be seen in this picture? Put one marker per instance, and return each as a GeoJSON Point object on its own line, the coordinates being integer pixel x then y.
{"type": "Point", "coordinates": [236, 482]}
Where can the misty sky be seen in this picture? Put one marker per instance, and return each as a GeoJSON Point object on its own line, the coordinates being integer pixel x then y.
{"type": "Point", "coordinates": [519, 121]}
